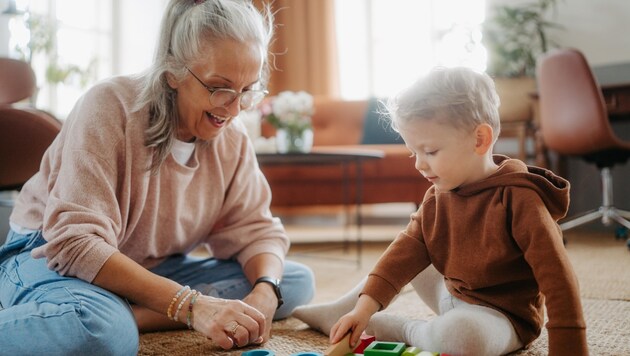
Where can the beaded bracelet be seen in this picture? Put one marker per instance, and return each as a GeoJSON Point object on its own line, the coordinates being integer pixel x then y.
{"type": "Point", "coordinates": [181, 303]}
{"type": "Point", "coordinates": [174, 300]}
{"type": "Point", "coordinates": [190, 317]}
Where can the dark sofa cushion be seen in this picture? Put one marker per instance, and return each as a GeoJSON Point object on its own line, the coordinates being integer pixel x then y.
{"type": "Point", "coordinates": [376, 127]}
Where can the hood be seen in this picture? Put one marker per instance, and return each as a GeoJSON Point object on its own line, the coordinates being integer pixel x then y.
{"type": "Point", "coordinates": [552, 189]}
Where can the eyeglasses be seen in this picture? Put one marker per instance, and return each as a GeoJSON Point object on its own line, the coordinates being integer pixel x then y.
{"type": "Point", "coordinates": [224, 97]}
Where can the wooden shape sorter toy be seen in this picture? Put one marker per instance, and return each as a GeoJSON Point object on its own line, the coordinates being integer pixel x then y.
{"type": "Point", "coordinates": [383, 348]}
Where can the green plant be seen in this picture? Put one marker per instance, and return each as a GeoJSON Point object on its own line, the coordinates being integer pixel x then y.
{"type": "Point", "coordinates": [42, 41]}
{"type": "Point", "coordinates": [516, 35]}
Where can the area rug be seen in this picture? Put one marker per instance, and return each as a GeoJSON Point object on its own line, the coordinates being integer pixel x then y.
{"type": "Point", "coordinates": [608, 333]}
{"type": "Point", "coordinates": [602, 265]}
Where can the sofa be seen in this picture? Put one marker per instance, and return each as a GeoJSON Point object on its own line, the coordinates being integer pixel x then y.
{"type": "Point", "coordinates": [348, 125]}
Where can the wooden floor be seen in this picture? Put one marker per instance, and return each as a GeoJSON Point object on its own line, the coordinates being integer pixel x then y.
{"type": "Point", "coordinates": [335, 267]}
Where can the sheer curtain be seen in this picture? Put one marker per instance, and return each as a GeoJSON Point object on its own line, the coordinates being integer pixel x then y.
{"type": "Point", "coordinates": [384, 45]}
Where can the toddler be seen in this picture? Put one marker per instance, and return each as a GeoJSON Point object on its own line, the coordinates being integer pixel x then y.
{"type": "Point", "coordinates": [484, 250]}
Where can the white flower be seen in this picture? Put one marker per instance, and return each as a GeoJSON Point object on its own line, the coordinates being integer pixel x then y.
{"type": "Point", "coordinates": [291, 110]}
{"type": "Point", "coordinates": [287, 105]}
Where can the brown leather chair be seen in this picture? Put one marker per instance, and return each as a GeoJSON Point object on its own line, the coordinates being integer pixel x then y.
{"type": "Point", "coordinates": [25, 132]}
{"type": "Point", "coordinates": [574, 122]}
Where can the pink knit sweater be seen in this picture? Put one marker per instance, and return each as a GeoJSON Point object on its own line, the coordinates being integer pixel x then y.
{"type": "Point", "coordinates": [93, 194]}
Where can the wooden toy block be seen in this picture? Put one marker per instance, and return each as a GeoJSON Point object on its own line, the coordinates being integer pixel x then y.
{"type": "Point", "coordinates": [364, 342]}
{"type": "Point", "coordinates": [383, 348]}
{"type": "Point", "coordinates": [428, 353]}
{"type": "Point", "coordinates": [411, 351]}
{"type": "Point", "coordinates": [341, 348]}
{"type": "Point", "coordinates": [259, 352]}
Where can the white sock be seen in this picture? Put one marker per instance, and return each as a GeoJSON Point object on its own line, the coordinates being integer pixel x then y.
{"type": "Point", "coordinates": [388, 327]}
{"type": "Point", "coordinates": [323, 316]}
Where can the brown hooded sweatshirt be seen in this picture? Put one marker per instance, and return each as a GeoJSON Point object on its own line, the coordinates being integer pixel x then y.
{"type": "Point", "coordinates": [497, 244]}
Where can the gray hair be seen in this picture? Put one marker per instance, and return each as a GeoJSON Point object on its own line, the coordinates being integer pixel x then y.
{"type": "Point", "coordinates": [187, 25]}
{"type": "Point", "coordinates": [461, 96]}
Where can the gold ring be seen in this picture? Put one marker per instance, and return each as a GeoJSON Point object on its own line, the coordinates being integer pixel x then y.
{"type": "Point", "coordinates": [233, 327]}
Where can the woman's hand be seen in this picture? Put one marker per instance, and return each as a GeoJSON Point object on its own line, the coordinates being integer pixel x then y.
{"type": "Point", "coordinates": [228, 323]}
{"type": "Point", "coordinates": [264, 300]}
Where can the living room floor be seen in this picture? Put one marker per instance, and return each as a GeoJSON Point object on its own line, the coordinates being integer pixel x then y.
{"type": "Point", "coordinates": [601, 262]}
{"type": "Point", "coordinates": [318, 236]}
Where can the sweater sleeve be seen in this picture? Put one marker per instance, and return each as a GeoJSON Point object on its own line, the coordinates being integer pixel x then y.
{"type": "Point", "coordinates": [539, 237]}
{"type": "Point", "coordinates": [246, 226]}
{"type": "Point", "coordinates": [81, 220]}
{"type": "Point", "coordinates": [400, 263]}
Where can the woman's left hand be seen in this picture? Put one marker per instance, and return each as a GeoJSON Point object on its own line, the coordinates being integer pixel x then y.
{"type": "Point", "coordinates": [263, 298]}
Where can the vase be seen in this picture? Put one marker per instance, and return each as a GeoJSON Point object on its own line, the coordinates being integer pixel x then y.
{"type": "Point", "coordinates": [294, 141]}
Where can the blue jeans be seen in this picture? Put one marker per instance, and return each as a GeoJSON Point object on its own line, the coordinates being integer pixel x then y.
{"type": "Point", "coordinates": [46, 313]}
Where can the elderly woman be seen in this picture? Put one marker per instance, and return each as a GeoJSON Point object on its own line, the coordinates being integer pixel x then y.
{"type": "Point", "coordinates": [145, 170]}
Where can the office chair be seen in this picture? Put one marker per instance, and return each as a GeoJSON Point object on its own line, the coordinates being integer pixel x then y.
{"type": "Point", "coordinates": [25, 132]}
{"type": "Point", "coordinates": [574, 122]}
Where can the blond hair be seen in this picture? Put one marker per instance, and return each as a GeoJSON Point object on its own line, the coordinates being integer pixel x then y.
{"type": "Point", "coordinates": [460, 96]}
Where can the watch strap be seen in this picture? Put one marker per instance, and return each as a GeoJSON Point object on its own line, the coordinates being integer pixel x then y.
{"type": "Point", "coordinates": [275, 283]}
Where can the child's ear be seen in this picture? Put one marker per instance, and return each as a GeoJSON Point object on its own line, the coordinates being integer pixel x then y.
{"type": "Point", "coordinates": [484, 139]}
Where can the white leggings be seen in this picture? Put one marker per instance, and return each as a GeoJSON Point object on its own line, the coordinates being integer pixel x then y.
{"type": "Point", "coordinates": [459, 328]}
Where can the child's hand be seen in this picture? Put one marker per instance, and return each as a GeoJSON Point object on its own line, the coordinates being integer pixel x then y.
{"type": "Point", "coordinates": [352, 322]}
{"type": "Point", "coordinates": [355, 321]}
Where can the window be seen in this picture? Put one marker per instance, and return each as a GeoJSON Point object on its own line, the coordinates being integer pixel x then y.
{"type": "Point", "coordinates": [71, 42]}
{"type": "Point", "coordinates": [388, 44]}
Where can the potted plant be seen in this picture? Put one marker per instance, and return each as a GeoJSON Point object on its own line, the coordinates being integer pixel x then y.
{"type": "Point", "coordinates": [41, 42]}
{"type": "Point", "coordinates": [515, 35]}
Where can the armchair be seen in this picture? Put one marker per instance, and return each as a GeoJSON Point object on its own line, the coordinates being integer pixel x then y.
{"type": "Point", "coordinates": [25, 132]}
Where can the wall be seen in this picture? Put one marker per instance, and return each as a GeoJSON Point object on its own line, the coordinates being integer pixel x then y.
{"type": "Point", "coordinates": [598, 28]}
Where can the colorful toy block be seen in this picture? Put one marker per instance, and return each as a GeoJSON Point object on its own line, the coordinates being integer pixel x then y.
{"type": "Point", "coordinates": [364, 342]}
{"type": "Point", "coordinates": [308, 353]}
{"type": "Point", "coordinates": [428, 353]}
{"type": "Point", "coordinates": [411, 351]}
{"type": "Point", "coordinates": [341, 348]}
{"type": "Point", "coordinates": [259, 352]}
{"type": "Point", "coordinates": [383, 348]}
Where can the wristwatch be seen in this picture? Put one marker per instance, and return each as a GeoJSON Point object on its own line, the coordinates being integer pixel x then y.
{"type": "Point", "coordinates": [275, 283]}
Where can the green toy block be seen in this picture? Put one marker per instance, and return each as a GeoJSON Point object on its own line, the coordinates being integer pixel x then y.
{"type": "Point", "coordinates": [384, 348]}
{"type": "Point", "coordinates": [411, 351]}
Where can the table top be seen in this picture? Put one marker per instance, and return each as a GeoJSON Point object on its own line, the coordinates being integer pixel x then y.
{"type": "Point", "coordinates": [612, 75]}
{"type": "Point", "coordinates": [320, 155]}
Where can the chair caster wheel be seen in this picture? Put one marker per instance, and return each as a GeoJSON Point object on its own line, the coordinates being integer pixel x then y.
{"type": "Point", "coordinates": [621, 233]}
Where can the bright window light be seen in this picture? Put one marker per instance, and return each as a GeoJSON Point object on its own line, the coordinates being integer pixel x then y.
{"type": "Point", "coordinates": [72, 36]}
{"type": "Point", "coordinates": [390, 43]}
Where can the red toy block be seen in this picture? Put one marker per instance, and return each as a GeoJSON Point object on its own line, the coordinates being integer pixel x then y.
{"type": "Point", "coordinates": [364, 342]}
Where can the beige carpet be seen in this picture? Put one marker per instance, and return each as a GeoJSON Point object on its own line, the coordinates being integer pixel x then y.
{"type": "Point", "coordinates": [601, 263]}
